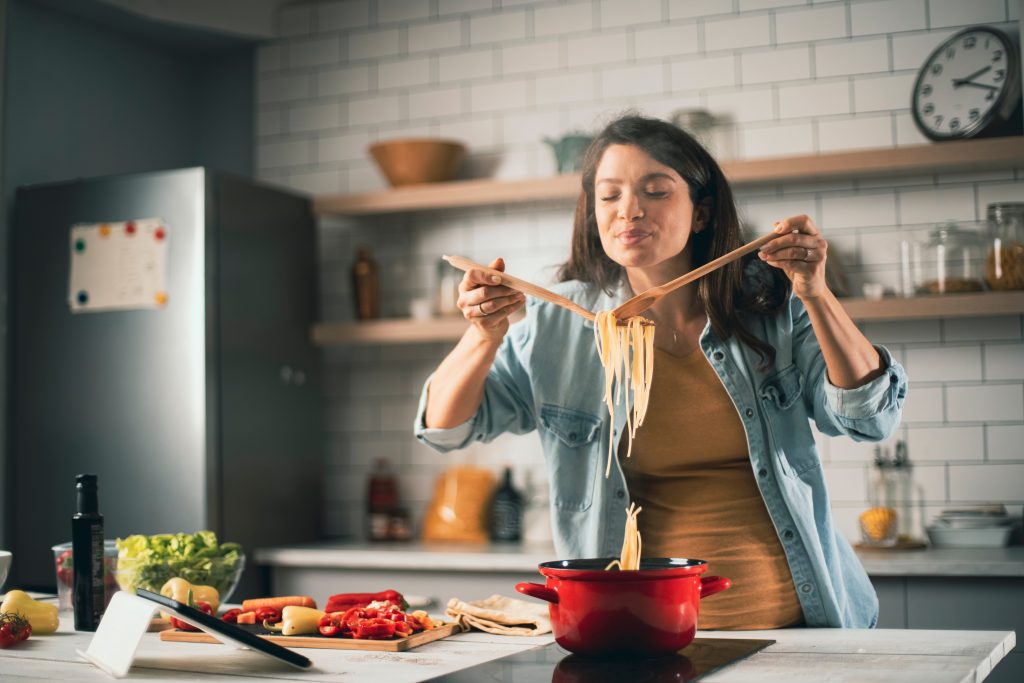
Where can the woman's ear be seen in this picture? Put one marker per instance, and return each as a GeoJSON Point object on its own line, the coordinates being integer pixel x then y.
{"type": "Point", "coordinates": [701, 215]}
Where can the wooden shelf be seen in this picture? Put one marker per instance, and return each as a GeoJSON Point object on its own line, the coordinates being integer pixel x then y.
{"type": "Point", "coordinates": [939, 306]}
{"type": "Point", "coordinates": [946, 157]}
{"type": "Point", "coordinates": [403, 331]}
{"type": "Point", "coordinates": [391, 331]}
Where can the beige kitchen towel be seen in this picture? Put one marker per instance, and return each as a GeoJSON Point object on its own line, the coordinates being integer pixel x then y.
{"type": "Point", "coordinates": [501, 615]}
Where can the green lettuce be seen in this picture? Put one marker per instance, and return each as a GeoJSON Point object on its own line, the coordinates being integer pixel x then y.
{"type": "Point", "coordinates": [149, 561]}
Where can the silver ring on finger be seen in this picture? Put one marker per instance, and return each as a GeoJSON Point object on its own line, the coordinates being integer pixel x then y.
{"type": "Point", "coordinates": [807, 254]}
{"type": "Point", "coordinates": [480, 307]}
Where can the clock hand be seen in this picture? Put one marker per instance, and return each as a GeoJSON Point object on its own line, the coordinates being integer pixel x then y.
{"type": "Point", "coordinates": [957, 84]}
{"type": "Point", "coordinates": [975, 74]}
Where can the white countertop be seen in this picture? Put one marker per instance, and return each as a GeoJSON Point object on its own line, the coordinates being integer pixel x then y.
{"type": "Point", "coordinates": [989, 562]}
{"type": "Point", "coordinates": [836, 655]}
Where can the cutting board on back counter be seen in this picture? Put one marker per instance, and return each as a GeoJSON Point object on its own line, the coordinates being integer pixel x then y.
{"type": "Point", "coordinates": [323, 642]}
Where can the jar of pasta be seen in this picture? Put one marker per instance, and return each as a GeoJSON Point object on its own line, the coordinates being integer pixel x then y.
{"type": "Point", "coordinates": [1004, 263]}
{"type": "Point", "coordinates": [954, 259]}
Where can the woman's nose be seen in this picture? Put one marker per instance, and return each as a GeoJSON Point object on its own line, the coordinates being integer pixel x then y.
{"type": "Point", "coordinates": [629, 208]}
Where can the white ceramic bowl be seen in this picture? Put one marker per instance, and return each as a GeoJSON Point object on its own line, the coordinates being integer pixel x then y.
{"type": "Point", "coordinates": [5, 565]}
{"type": "Point", "coordinates": [992, 537]}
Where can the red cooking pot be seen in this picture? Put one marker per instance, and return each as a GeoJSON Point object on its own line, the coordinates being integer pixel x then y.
{"type": "Point", "coordinates": [647, 612]}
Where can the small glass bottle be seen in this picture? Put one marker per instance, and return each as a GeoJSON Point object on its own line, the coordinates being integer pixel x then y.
{"type": "Point", "coordinates": [366, 285]}
{"type": "Point", "coordinates": [381, 500]}
{"type": "Point", "coordinates": [506, 513]}
{"type": "Point", "coordinates": [1004, 263]}
{"type": "Point", "coordinates": [954, 258]}
{"type": "Point", "coordinates": [87, 598]}
{"type": "Point", "coordinates": [448, 279]}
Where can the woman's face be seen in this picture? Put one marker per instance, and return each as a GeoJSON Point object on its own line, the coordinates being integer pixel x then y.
{"type": "Point", "coordinates": [643, 208]}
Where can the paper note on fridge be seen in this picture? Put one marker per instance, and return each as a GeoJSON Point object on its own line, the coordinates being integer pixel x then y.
{"type": "Point", "coordinates": [120, 265]}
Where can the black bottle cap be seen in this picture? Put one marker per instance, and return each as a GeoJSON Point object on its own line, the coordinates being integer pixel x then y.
{"type": "Point", "coordinates": [88, 500]}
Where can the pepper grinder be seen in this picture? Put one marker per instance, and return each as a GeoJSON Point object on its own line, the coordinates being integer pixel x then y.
{"type": "Point", "coordinates": [366, 285]}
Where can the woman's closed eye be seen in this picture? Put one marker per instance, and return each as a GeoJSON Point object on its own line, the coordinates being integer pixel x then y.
{"type": "Point", "coordinates": [653, 194]}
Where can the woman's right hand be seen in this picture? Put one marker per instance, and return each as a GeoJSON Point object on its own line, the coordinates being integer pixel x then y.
{"type": "Point", "coordinates": [487, 304]}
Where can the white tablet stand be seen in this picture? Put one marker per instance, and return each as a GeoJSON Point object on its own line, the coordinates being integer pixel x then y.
{"type": "Point", "coordinates": [127, 618]}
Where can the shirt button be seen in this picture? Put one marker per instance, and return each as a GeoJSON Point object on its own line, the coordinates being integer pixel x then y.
{"type": "Point", "coordinates": [572, 435]}
{"type": "Point", "coordinates": [620, 494]}
{"type": "Point", "coordinates": [719, 355]}
{"type": "Point", "coordinates": [787, 534]}
{"type": "Point", "coordinates": [749, 412]}
{"type": "Point", "coordinates": [806, 588]}
{"type": "Point", "coordinates": [893, 379]}
{"type": "Point", "coordinates": [762, 473]}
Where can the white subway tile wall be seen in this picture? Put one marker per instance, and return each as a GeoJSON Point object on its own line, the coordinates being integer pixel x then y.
{"type": "Point", "coordinates": [794, 77]}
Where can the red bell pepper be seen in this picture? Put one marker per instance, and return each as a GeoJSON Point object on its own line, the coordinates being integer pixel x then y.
{"type": "Point", "coordinates": [343, 601]}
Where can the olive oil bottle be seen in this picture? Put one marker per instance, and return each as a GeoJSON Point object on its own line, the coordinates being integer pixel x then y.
{"type": "Point", "coordinates": [87, 554]}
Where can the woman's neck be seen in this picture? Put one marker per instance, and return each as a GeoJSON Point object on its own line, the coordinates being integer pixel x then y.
{"type": "Point", "coordinates": [679, 315]}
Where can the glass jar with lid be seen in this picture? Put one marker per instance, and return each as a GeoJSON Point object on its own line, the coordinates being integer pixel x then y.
{"type": "Point", "coordinates": [954, 259]}
{"type": "Point", "coordinates": [1004, 263]}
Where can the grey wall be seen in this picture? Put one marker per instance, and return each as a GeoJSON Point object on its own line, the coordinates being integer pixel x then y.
{"type": "Point", "coordinates": [89, 93]}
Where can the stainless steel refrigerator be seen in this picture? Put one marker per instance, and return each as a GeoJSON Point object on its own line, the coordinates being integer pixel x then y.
{"type": "Point", "coordinates": [203, 413]}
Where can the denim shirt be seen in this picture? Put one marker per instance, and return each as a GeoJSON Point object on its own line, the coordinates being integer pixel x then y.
{"type": "Point", "coordinates": [547, 376]}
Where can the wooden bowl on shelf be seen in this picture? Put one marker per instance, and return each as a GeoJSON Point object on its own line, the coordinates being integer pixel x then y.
{"type": "Point", "coordinates": [415, 161]}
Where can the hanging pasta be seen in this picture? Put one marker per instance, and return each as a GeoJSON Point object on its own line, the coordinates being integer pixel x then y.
{"type": "Point", "coordinates": [626, 352]}
{"type": "Point", "coordinates": [629, 558]}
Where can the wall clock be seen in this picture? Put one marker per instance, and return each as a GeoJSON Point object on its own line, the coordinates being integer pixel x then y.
{"type": "Point", "coordinates": [970, 86]}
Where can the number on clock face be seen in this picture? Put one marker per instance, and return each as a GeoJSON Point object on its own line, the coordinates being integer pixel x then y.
{"type": "Point", "coordinates": [961, 84]}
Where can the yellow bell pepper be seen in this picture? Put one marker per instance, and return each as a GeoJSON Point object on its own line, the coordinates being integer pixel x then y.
{"type": "Point", "coordinates": [295, 621]}
{"type": "Point", "coordinates": [42, 615]}
{"type": "Point", "coordinates": [178, 588]}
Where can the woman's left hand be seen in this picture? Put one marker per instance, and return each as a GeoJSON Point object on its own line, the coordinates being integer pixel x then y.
{"type": "Point", "coordinates": [801, 253]}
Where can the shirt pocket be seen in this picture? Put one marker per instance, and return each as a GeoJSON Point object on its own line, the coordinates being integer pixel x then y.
{"type": "Point", "coordinates": [571, 448]}
{"type": "Point", "coordinates": [781, 395]}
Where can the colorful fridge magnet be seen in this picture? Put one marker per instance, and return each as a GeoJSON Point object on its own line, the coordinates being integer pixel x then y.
{"type": "Point", "coordinates": [118, 266]}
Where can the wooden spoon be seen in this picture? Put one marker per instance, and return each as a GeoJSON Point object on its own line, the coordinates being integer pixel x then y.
{"type": "Point", "coordinates": [644, 300]}
{"type": "Point", "coordinates": [521, 285]}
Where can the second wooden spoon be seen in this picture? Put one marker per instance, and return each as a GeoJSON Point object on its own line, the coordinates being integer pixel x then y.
{"type": "Point", "coordinates": [644, 300]}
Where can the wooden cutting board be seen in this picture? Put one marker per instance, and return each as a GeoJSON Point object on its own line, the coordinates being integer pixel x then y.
{"type": "Point", "coordinates": [312, 641]}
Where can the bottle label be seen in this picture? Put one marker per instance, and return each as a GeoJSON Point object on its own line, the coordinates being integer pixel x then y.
{"type": "Point", "coordinates": [96, 562]}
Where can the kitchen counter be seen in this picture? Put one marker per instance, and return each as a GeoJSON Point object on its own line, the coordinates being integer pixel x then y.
{"type": "Point", "coordinates": [508, 558]}
{"type": "Point", "coordinates": [840, 656]}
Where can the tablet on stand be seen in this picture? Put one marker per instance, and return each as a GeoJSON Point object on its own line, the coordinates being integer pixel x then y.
{"type": "Point", "coordinates": [127, 618]}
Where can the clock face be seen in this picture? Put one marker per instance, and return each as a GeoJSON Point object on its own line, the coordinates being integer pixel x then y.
{"type": "Point", "coordinates": [966, 84]}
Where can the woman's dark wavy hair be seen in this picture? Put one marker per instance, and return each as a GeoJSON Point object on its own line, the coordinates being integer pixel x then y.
{"type": "Point", "coordinates": [722, 292]}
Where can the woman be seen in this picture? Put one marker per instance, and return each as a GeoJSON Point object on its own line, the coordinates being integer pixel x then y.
{"type": "Point", "coordinates": [725, 465]}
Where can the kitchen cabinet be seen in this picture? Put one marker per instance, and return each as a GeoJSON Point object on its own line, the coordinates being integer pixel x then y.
{"type": "Point", "coordinates": [981, 588]}
{"type": "Point", "coordinates": [981, 603]}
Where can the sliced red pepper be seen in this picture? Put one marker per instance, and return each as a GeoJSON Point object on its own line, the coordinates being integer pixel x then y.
{"type": "Point", "coordinates": [184, 625]}
{"type": "Point", "coordinates": [231, 616]}
{"type": "Point", "coordinates": [271, 614]}
{"type": "Point", "coordinates": [374, 629]}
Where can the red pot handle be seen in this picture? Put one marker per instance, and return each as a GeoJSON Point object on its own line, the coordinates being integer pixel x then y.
{"type": "Point", "coordinates": [535, 590]}
{"type": "Point", "coordinates": [709, 585]}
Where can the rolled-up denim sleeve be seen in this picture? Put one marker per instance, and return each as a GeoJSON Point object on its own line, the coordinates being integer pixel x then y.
{"type": "Point", "coordinates": [871, 412]}
{"type": "Point", "coordinates": [507, 404]}
{"type": "Point", "coordinates": [874, 398]}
